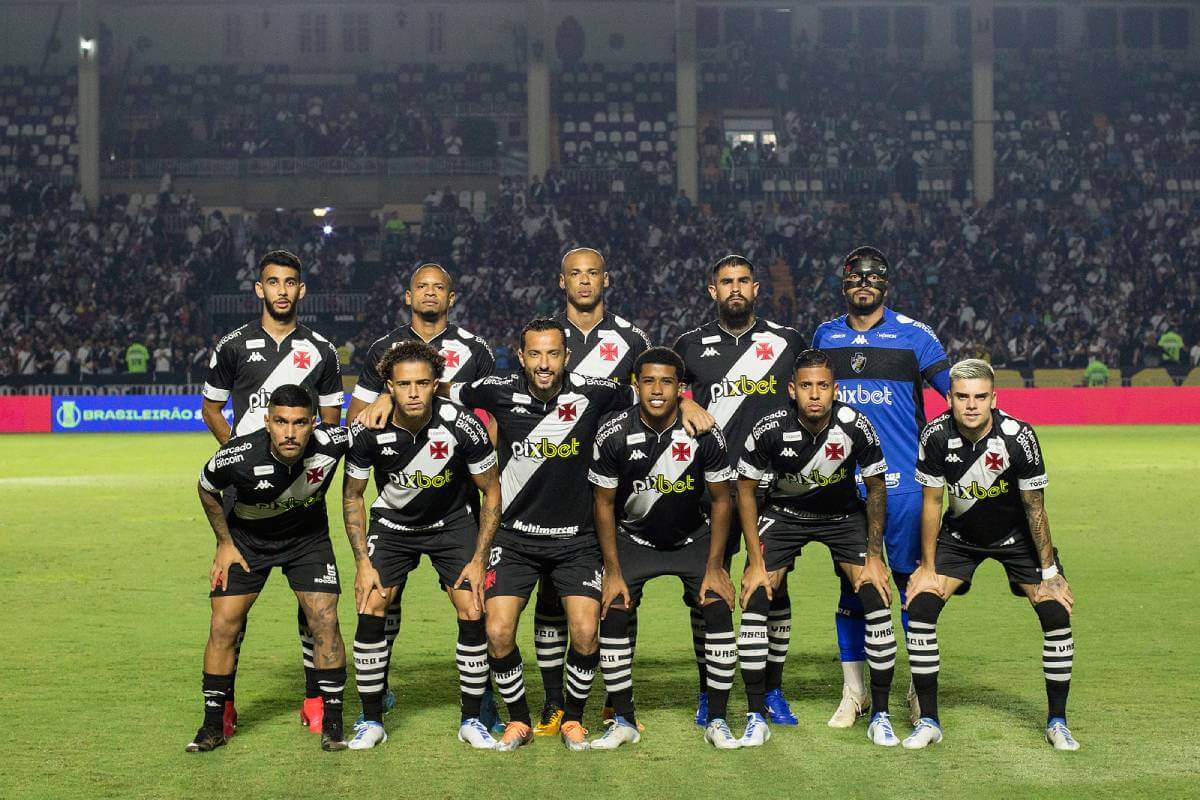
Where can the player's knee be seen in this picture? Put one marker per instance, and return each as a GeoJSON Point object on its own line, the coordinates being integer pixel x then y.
{"type": "Point", "coordinates": [870, 598]}
{"type": "Point", "coordinates": [224, 629]}
{"type": "Point", "coordinates": [925, 607]}
{"type": "Point", "coordinates": [758, 602]}
{"type": "Point", "coordinates": [615, 624]}
{"type": "Point", "coordinates": [1052, 615]}
{"type": "Point", "coordinates": [501, 634]}
{"type": "Point", "coordinates": [584, 630]}
{"type": "Point", "coordinates": [718, 618]}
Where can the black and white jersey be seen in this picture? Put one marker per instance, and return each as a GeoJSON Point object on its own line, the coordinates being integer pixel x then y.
{"type": "Point", "coordinates": [545, 448]}
{"type": "Point", "coordinates": [659, 477]}
{"type": "Point", "coordinates": [274, 500]}
{"type": "Point", "coordinates": [424, 479]}
{"type": "Point", "coordinates": [813, 474]}
{"type": "Point", "coordinates": [984, 479]}
{"type": "Point", "coordinates": [607, 350]}
{"type": "Point", "coordinates": [739, 379]}
{"type": "Point", "coordinates": [468, 357]}
{"type": "Point", "coordinates": [249, 365]}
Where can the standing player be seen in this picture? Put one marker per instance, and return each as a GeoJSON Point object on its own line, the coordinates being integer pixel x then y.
{"type": "Point", "coordinates": [421, 458]}
{"type": "Point", "coordinates": [546, 421]}
{"type": "Point", "coordinates": [992, 466]}
{"type": "Point", "coordinates": [281, 473]}
{"type": "Point", "coordinates": [601, 345]}
{"type": "Point", "coordinates": [248, 364]}
{"type": "Point", "coordinates": [738, 366]}
{"type": "Point", "coordinates": [430, 296]}
{"type": "Point", "coordinates": [812, 456]}
{"type": "Point", "coordinates": [649, 476]}
{"type": "Point", "coordinates": [881, 359]}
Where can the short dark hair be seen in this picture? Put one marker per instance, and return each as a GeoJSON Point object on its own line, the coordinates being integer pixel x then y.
{"type": "Point", "coordinates": [732, 260]}
{"type": "Point", "coordinates": [540, 324]}
{"type": "Point", "coordinates": [411, 351]}
{"type": "Point", "coordinates": [291, 395]}
{"type": "Point", "coordinates": [283, 258]}
{"type": "Point", "coordinates": [812, 358]}
{"type": "Point", "coordinates": [659, 355]}
{"type": "Point", "coordinates": [433, 265]}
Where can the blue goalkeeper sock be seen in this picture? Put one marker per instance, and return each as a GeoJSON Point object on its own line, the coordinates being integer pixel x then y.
{"type": "Point", "coordinates": [851, 628]}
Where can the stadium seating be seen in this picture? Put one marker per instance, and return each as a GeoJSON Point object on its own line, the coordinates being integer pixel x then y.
{"type": "Point", "coordinates": [1154, 376]}
{"type": "Point", "coordinates": [1057, 378]}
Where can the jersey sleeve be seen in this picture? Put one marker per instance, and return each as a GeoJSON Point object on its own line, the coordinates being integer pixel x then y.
{"type": "Point", "coordinates": [755, 460]}
{"type": "Point", "coordinates": [1030, 468]}
{"type": "Point", "coordinates": [329, 383]}
{"type": "Point", "coordinates": [931, 358]}
{"type": "Point", "coordinates": [681, 346]}
{"type": "Point", "coordinates": [473, 439]}
{"type": "Point", "coordinates": [868, 452]}
{"type": "Point", "coordinates": [818, 337]}
{"type": "Point", "coordinates": [370, 383]}
{"type": "Point", "coordinates": [359, 457]}
{"type": "Point", "coordinates": [606, 459]}
{"type": "Point", "coordinates": [482, 393]}
{"type": "Point", "coordinates": [216, 475]}
{"type": "Point", "coordinates": [931, 470]}
{"type": "Point", "coordinates": [714, 457]}
{"type": "Point", "coordinates": [485, 359]}
{"type": "Point", "coordinates": [218, 385]}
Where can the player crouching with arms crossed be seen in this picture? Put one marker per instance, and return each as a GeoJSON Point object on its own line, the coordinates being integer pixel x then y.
{"type": "Point", "coordinates": [992, 466]}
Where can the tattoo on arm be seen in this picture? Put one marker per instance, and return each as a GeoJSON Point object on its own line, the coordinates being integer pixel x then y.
{"type": "Point", "coordinates": [215, 514]}
{"type": "Point", "coordinates": [489, 510]}
{"type": "Point", "coordinates": [876, 515]}
{"type": "Point", "coordinates": [354, 515]}
{"type": "Point", "coordinates": [1039, 525]}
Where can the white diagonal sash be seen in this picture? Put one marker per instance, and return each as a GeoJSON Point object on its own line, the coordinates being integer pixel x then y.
{"type": "Point", "coordinates": [520, 469]}
{"type": "Point", "coordinates": [752, 367]}
{"type": "Point", "coordinates": [639, 504]}
{"type": "Point", "coordinates": [977, 473]}
{"type": "Point", "coordinates": [285, 371]}
{"type": "Point", "coordinates": [593, 364]}
{"type": "Point", "coordinates": [300, 489]}
{"type": "Point", "coordinates": [396, 496]}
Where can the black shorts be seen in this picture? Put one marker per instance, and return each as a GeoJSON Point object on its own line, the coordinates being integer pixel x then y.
{"type": "Point", "coordinates": [517, 561]}
{"type": "Point", "coordinates": [307, 563]}
{"type": "Point", "coordinates": [783, 537]}
{"type": "Point", "coordinates": [959, 559]}
{"type": "Point", "coordinates": [395, 554]}
{"type": "Point", "coordinates": [640, 564]}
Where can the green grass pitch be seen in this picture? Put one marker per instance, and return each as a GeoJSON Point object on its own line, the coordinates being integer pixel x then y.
{"type": "Point", "coordinates": [106, 555]}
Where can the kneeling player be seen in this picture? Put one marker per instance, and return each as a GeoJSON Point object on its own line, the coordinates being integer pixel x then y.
{"type": "Point", "coordinates": [813, 499]}
{"type": "Point", "coordinates": [421, 458]}
{"type": "Point", "coordinates": [280, 473]}
{"type": "Point", "coordinates": [992, 466]}
{"type": "Point", "coordinates": [649, 476]}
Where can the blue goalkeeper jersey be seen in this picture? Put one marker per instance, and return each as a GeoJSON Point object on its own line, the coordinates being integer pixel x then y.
{"type": "Point", "coordinates": [880, 373]}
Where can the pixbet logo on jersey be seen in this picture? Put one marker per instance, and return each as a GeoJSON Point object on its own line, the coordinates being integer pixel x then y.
{"type": "Point", "coordinates": [861, 395]}
{"type": "Point", "coordinates": [743, 386]}
{"type": "Point", "coordinates": [977, 492]}
{"type": "Point", "coordinates": [546, 448]}
{"type": "Point", "coordinates": [815, 478]}
{"type": "Point", "coordinates": [419, 480]}
{"type": "Point", "coordinates": [664, 485]}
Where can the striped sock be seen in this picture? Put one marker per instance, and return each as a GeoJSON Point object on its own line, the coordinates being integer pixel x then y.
{"type": "Point", "coordinates": [509, 676]}
{"type": "Point", "coordinates": [371, 657]}
{"type": "Point", "coordinates": [880, 644]}
{"type": "Point", "coordinates": [581, 671]}
{"type": "Point", "coordinates": [720, 657]}
{"type": "Point", "coordinates": [779, 637]}
{"type": "Point", "coordinates": [550, 643]}
{"type": "Point", "coordinates": [472, 660]}
{"type": "Point", "coordinates": [616, 662]}
{"type": "Point", "coordinates": [1058, 655]}
{"type": "Point", "coordinates": [752, 649]}
{"type": "Point", "coordinates": [698, 646]}
{"type": "Point", "coordinates": [923, 657]}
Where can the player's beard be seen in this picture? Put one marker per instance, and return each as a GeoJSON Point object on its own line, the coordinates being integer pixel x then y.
{"type": "Point", "coordinates": [865, 309]}
{"type": "Point", "coordinates": [429, 316]}
{"type": "Point", "coordinates": [735, 319]}
{"type": "Point", "coordinates": [289, 317]}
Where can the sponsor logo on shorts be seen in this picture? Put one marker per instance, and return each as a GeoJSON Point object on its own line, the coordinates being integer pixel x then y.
{"type": "Point", "coordinates": [330, 577]}
{"type": "Point", "coordinates": [596, 581]}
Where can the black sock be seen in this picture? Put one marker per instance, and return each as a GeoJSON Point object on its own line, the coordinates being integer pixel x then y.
{"type": "Point", "coordinates": [550, 643]}
{"type": "Point", "coordinates": [1058, 655]}
{"type": "Point", "coordinates": [779, 636]}
{"type": "Point", "coordinates": [332, 683]}
{"type": "Point", "coordinates": [616, 662]}
{"type": "Point", "coordinates": [217, 690]}
{"type": "Point", "coordinates": [698, 646]}
{"type": "Point", "coordinates": [581, 671]}
{"type": "Point", "coordinates": [881, 645]}
{"type": "Point", "coordinates": [508, 673]}
{"type": "Point", "coordinates": [311, 689]}
{"type": "Point", "coordinates": [370, 665]}
{"type": "Point", "coordinates": [720, 656]}
{"type": "Point", "coordinates": [752, 649]}
{"type": "Point", "coordinates": [923, 656]}
{"type": "Point", "coordinates": [471, 658]}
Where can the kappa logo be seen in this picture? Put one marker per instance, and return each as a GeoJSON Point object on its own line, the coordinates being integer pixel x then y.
{"type": "Point", "coordinates": [709, 352]}
{"type": "Point", "coordinates": [952, 458]}
{"type": "Point", "coordinates": [264, 485]}
{"type": "Point", "coordinates": [597, 582]}
{"type": "Point", "coordinates": [387, 451]}
{"type": "Point", "coordinates": [789, 452]}
{"type": "Point", "coordinates": [860, 339]}
{"type": "Point", "coordinates": [636, 455]}
{"type": "Point", "coordinates": [255, 356]}
{"type": "Point", "coordinates": [330, 577]}
{"type": "Point", "coordinates": [520, 410]}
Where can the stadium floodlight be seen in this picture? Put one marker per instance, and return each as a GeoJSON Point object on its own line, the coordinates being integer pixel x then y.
{"type": "Point", "coordinates": [87, 47]}
{"type": "Point", "coordinates": [322, 211]}
{"type": "Point", "coordinates": [327, 229]}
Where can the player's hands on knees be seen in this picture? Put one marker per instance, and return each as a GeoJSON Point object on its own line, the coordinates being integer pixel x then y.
{"type": "Point", "coordinates": [376, 414]}
{"type": "Point", "coordinates": [227, 555]}
{"type": "Point", "coordinates": [366, 581]}
{"type": "Point", "coordinates": [924, 579]}
{"type": "Point", "coordinates": [1058, 589]}
{"type": "Point", "coordinates": [612, 589]}
{"type": "Point", "coordinates": [696, 419]}
{"type": "Point", "coordinates": [875, 573]}
{"type": "Point", "coordinates": [717, 581]}
{"type": "Point", "coordinates": [473, 574]}
{"type": "Point", "coordinates": [754, 576]}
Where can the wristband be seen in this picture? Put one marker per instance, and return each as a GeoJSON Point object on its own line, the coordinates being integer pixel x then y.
{"type": "Point", "coordinates": [1050, 572]}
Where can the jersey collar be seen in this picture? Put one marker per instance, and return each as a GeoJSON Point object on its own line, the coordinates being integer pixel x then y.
{"type": "Point", "coordinates": [421, 338]}
{"type": "Point", "coordinates": [676, 425]}
{"type": "Point", "coordinates": [759, 325]}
